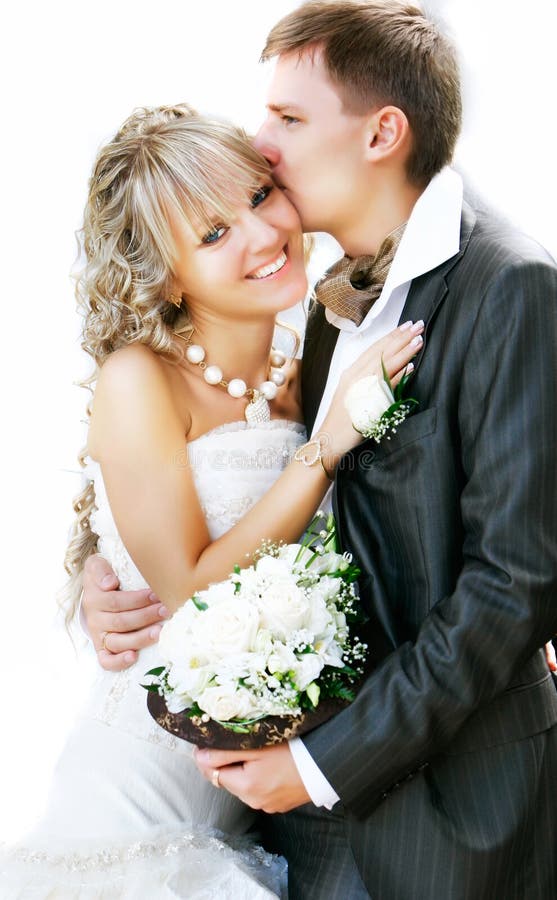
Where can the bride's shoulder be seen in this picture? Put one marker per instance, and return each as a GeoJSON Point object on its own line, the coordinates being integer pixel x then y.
{"type": "Point", "coordinates": [134, 372]}
{"type": "Point", "coordinates": [134, 390]}
{"type": "Point", "coordinates": [134, 359]}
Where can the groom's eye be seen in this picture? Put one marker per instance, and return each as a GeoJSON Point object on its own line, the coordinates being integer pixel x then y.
{"type": "Point", "coordinates": [261, 195]}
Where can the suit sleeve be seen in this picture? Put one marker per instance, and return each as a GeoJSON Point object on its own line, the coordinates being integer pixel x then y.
{"type": "Point", "coordinates": [504, 606]}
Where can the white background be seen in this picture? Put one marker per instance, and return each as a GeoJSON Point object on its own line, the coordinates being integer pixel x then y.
{"type": "Point", "coordinates": [70, 73]}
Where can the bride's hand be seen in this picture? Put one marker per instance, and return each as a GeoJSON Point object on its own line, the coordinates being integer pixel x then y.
{"type": "Point", "coordinates": [394, 351]}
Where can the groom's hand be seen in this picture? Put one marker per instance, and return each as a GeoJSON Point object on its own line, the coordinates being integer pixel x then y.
{"type": "Point", "coordinates": [119, 622]}
{"type": "Point", "coordinates": [264, 779]}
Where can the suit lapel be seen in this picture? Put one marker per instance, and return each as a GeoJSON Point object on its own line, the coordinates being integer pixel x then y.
{"type": "Point", "coordinates": [429, 290]}
{"type": "Point", "coordinates": [319, 345]}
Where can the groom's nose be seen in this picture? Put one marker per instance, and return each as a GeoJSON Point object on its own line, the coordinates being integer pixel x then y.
{"type": "Point", "coordinates": [264, 144]}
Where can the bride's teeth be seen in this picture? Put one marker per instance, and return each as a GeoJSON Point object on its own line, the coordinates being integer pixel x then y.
{"type": "Point", "coordinates": [271, 268]}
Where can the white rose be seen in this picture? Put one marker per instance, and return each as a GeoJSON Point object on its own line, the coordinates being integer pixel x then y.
{"type": "Point", "coordinates": [319, 619]}
{"type": "Point", "coordinates": [175, 637]}
{"type": "Point", "coordinates": [273, 567]}
{"type": "Point", "coordinates": [284, 608]}
{"type": "Point", "coordinates": [225, 703]}
{"type": "Point", "coordinates": [226, 629]}
{"type": "Point", "coordinates": [366, 400]}
{"type": "Point", "coordinates": [295, 554]}
{"type": "Point", "coordinates": [219, 592]}
{"type": "Point", "coordinates": [307, 669]}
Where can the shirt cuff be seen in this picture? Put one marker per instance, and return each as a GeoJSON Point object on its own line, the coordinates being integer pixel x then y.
{"type": "Point", "coordinates": [320, 791]}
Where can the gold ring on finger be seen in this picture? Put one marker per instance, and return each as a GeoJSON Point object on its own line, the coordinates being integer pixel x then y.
{"type": "Point", "coordinates": [103, 641]}
{"type": "Point", "coordinates": [215, 778]}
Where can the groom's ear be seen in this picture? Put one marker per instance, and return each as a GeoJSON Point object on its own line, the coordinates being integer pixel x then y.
{"type": "Point", "coordinates": [388, 134]}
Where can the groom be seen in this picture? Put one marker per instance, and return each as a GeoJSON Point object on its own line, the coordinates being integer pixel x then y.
{"type": "Point", "coordinates": [440, 776]}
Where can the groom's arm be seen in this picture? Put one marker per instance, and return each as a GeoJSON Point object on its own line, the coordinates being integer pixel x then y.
{"type": "Point", "coordinates": [503, 608]}
{"type": "Point", "coordinates": [119, 623]}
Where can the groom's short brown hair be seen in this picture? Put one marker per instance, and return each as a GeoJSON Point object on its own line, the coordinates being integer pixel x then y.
{"type": "Point", "coordinates": [384, 52]}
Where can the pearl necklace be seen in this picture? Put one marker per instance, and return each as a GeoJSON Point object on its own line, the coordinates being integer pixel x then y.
{"type": "Point", "coordinates": [257, 410]}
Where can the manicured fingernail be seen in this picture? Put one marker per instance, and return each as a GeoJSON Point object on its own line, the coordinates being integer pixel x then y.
{"type": "Point", "coordinates": [107, 580]}
{"type": "Point", "coordinates": [409, 368]}
{"type": "Point", "coordinates": [154, 632]}
{"type": "Point", "coordinates": [417, 326]}
{"type": "Point", "coordinates": [129, 657]}
{"type": "Point", "coordinates": [406, 325]}
{"type": "Point", "coordinates": [153, 598]}
{"type": "Point", "coordinates": [163, 612]}
{"type": "Point", "coordinates": [417, 341]}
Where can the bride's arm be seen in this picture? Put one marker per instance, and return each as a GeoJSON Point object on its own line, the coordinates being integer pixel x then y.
{"type": "Point", "coordinates": [137, 435]}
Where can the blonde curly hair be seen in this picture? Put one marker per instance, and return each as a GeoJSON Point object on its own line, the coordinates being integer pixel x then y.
{"type": "Point", "coordinates": [161, 159]}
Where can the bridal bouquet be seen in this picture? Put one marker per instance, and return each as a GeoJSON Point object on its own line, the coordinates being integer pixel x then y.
{"type": "Point", "coordinates": [272, 640]}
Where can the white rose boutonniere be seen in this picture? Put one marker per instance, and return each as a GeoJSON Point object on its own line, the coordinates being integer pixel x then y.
{"type": "Point", "coordinates": [375, 408]}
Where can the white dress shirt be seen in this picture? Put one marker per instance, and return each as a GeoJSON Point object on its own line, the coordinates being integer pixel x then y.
{"type": "Point", "coordinates": [431, 237]}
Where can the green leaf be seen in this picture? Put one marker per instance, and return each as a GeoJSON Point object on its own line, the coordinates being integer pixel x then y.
{"type": "Point", "coordinates": [339, 691]}
{"type": "Point", "coordinates": [158, 671]}
{"type": "Point", "coordinates": [386, 376]}
{"type": "Point", "coordinates": [153, 688]}
{"type": "Point", "coordinates": [237, 569]}
{"type": "Point", "coordinates": [201, 606]}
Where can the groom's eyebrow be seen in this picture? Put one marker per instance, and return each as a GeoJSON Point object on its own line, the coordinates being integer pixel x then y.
{"type": "Point", "coordinates": [281, 107]}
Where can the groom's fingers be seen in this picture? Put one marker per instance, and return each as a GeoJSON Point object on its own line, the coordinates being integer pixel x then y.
{"type": "Point", "coordinates": [129, 619]}
{"type": "Point", "coordinates": [116, 662]}
{"type": "Point", "coordinates": [131, 640]}
{"type": "Point", "coordinates": [208, 760]}
{"type": "Point", "coordinates": [268, 780]}
{"type": "Point", "coordinates": [551, 657]}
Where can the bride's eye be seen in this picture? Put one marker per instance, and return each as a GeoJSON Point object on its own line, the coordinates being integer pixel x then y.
{"type": "Point", "coordinates": [261, 195]}
{"type": "Point", "coordinates": [214, 235]}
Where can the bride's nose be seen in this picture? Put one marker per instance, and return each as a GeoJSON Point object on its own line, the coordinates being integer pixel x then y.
{"type": "Point", "coordinates": [260, 234]}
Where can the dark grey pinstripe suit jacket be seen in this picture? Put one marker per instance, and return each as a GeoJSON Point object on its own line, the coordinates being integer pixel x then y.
{"type": "Point", "coordinates": [446, 764]}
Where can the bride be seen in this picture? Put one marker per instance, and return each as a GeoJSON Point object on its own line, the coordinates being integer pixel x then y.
{"type": "Point", "coordinates": [195, 453]}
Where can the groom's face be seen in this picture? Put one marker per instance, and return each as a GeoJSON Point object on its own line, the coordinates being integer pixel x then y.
{"type": "Point", "coordinates": [316, 148]}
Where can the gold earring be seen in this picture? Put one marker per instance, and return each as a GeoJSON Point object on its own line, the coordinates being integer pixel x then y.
{"type": "Point", "coordinates": [176, 300]}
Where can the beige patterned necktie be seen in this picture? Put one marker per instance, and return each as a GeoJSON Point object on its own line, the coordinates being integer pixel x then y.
{"type": "Point", "coordinates": [352, 285]}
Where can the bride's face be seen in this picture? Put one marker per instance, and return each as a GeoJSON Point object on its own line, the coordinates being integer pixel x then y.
{"type": "Point", "coordinates": [250, 267]}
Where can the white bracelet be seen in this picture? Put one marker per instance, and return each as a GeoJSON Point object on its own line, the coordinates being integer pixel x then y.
{"type": "Point", "coordinates": [317, 444]}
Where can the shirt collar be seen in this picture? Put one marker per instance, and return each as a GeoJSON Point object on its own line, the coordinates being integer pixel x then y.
{"type": "Point", "coordinates": [431, 237]}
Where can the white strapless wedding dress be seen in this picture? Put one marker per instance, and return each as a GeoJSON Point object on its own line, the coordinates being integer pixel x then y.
{"type": "Point", "coordinates": [129, 815]}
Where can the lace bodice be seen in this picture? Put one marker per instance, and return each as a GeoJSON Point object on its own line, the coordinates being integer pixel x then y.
{"type": "Point", "coordinates": [233, 466]}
